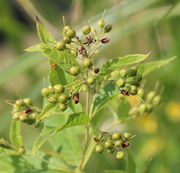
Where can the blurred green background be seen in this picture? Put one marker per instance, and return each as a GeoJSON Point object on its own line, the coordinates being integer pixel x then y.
{"type": "Point", "coordinates": [139, 26]}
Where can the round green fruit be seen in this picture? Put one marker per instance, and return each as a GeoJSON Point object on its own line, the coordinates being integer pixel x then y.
{"type": "Point", "coordinates": [120, 83]}
{"type": "Point", "coordinates": [86, 29]}
{"type": "Point", "coordinates": [150, 96]}
{"type": "Point", "coordinates": [156, 100]}
{"type": "Point", "coordinates": [70, 33]}
{"type": "Point", "coordinates": [116, 136]}
{"type": "Point", "coordinates": [67, 40]}
{"type": "Point", "coordinates": [60, 46]}
{"type": "Point", "coordinates": [107, 28]}
{"type": "Point", "coordinates": [109, 144]}
{"type": "Point", "coordinates": [62, 107]}
{"type": "Point", "coordinates": [87, 62]}
{"type": "Point", "coordinates": [19, 102]}
{"type": "Point", "coordinates": [99, 148]}
{"type": "Point", "coordinates": [123, 73]}
{"type": "Point", "coordinates": [120, 155]}
{"type": "Point", "coordinates": [91, 80]}
{"type": "Point", "coordinates": [101, 23]}
{"type": "Point", "coordinates": [58, 88]}
{"type": "Point", "coordinates": [75, 70]}
{"type": "Point", "coordinates": [63, 98]}
{"type": "Point", "coordinates": [73, 52]}
{"type": "Point", "coordinates": [118, 143]}
{"type": "Point", "coordinates": [127, 135]}
{"type": "Point", "coordinates": [133, 90]}
{"type": "Point", "coordinates": [45, 92]}
{"type": "Point", "coordinates": [140, 92]}
{"type": "Point", "coordinates": [27, 101]}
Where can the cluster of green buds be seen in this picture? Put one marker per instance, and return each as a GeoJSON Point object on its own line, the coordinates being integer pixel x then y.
{"type": "Point", "coordinates": [24, 110]}
{"type": "Point", "coordinates": [150, 101]}
{"type": "Point", "coordinates": [113, 143]}
{"type": "Point", "coordinates": [127, 80]}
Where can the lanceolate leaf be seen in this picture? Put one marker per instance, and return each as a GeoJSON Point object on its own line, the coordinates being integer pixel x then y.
{"type": "Point", "coordinates": [121, 62]}
{"type": "Point", "coordinates": [15, 134]}
{"type": "Point", "coordinates": [145, 69]}
{"type": "Point", "coordinates": [130, 164]}
{"type": "Point", "coordinates": [35, 48]}
{"type": "Point", "coordinates": [76, 119]}
{"type": "Point", "coordinates": [106, 94]}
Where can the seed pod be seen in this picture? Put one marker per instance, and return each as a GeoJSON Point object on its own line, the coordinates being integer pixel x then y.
{"type": "Point", "coordinates": [52, 99]}
{"type": "Point", "coordinates": [63, 98]}
{"type": "Point", "coordinates": [96, 70]}
{"type": "Point", "coordinates": [142, 108]}
{"type": "Point", "coordinates": [101, 23]}
{"type": "Point", "coordinates": [140, 92]}
{"type": "Point", "coordinates": [120, 155]}
{"type": "Point", "coordinates": [132, 72]}
{"type": "Point", "coordinates": [150, 96]}
{"type": "Point", "coordinates": [123, 73]}
{"type": "Point", "coordinates": [67, 40]}
{"type": "Point", "coordinates": [149, 108]}
{"type": "Point", "coordinates": [132, 80]}
{"type": "Point", "coordinates": [116, 136]}
{"type": "Point", "coordinates": [107, 28]}
{"type": "Point", "coordinates": [70, 33]}
{"type": "Point", "coordinates": [60, 46]}
{"type": "Point", "coordinates": [27, 101]}
{"type": "Point", "coordinates": [23, 117]}
{"type": "Point", "coordinates": [87, 62]}
{"type": "Point", "coordinates": [62, 107]}
{"type": "Point", "coordinates": [110, 151]}
{"type": "Point", "coordinates": [51, 90]}
{"type": "Point", "coordinates": [15, 108]}
{"type": "Point", "coordinates": [75, 53]}
{"type": "Point", "coordinates": [91, 80]}
{"type": "Point", "coordinates": [16, 116]}
{"type": "Point", "coordinates": [33, 115]}
{"type": "Point", "coordinates": [125, 144]}
{"type": "Point", "coordinates": [19, 103]}
{"type": "Point", "coordinates": [109, 144]}
{"type": "Point", "coordinates": [118, 143]}
{"type": "Point", "coordinates": [99, 148]}
{"type": "Point", "coordinates": [45, 92]}
{"type": "Point", "coordinates": [133, 90]}
{"type": "Point", "coordinates": [127, 135]}
{"type": "Point", "coordinates": [156, 100]}
{"type": "Point", "coordinates": [59, 88]}
{"type": "Point", "coordinates": [67, 28]}
{"type": "Point", "coordinates": [120, 83]}
{"type": "Point", "coordinates": [74, 70]}
{"type": "Point", "coordinates": [86, 29]}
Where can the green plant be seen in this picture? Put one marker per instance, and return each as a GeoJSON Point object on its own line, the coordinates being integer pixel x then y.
{"type": "Point", "coordinates": [73, 74]}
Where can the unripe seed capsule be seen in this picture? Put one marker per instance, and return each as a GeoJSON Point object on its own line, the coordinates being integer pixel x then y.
{"type": "Point", "coordinates": [156, 100]}
{"type": "Point", "coordinates": [150, 96]}
{"type": "Point", "coordinates": [27, 101]}
{"type": "Point", "coordinates": [116, 136]}
{"type": "Point", "coordinates": [99, 148]}
{"type": "Point", "coordinates": [62, 107]}
{"type": "Point", "coordinates": [70, 33]}
{"type": "Point", "coordinates": [63, 98]}
{"type": "Point", "coordinates": [101, 23]}
{"type": "Point", "coordinates": [149, 108]}
{"type": "Point", "coordinates": [67, 40]}
{"type": "Point", "coordinates": [67, 28]}
{"type": "Point", "coordinates": [107, 28]}
{"type": "Point", "coordinates": [59, 88]}
{"type": "Point", "coordinates": [19, 102]}
{"type": "Point", "coordinates": [127, 135]}
{"type": "Point", "coordinates": [21, 150]}
{"type": "Point", "coordinates": [120, 155]}
{"type": "Point", "coordinates": [33, 115]}
{"type": "Point", "coordinates": [118, 143]}
{"type": "Point", "coordinates": [109, 144]}
{"type": "Point", "coordinates": [45, 92]}
{"type": "Point", "coordinates": [91, 80]}
{"type": "Point", "coordinates": [132, 80]}
{"type": "Point", "coordinates": [140, 92]}
{"type": "Point", "coordinates": [52, 99]}
{"type": "Point", "coordinates": [87, 62]}
{"type": "Point", "coordinates": [120, 83]}
{"type": "Point", "coordinates": [60, 46]}
{"type": "Point", "coordinates": [16, 116]}
{"type": "Point", "coordinates": [75, 53]}
{"type": "Point", "coordinates": [86, 29]}
{"type": "Point", "coordinates": [74, 70]}
{"type": "Point", "coordinates": [51, 90]}
{"type": "Point", "coordinates": [133, 90]}
{"type": "Point", "coordinates": [142, 108]}
{"type": "Point", "coordinates": [123, 73]}
{"type": "Point", "coordinates": [132, 72]}
{"type": "Point", "coordinates": [22, 117]}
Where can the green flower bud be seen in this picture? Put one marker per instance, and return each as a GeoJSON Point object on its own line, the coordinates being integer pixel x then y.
{"type": "Point", "coordinates": [86, 29]}
{"type": "Point", "coordinates": [21, 150]}
{"type": "Point", "coordinates": [132, 80]}
{"type": "Point", "coordinates": [62, 107]}
{"type": "Point", "coordinates": [99, 148]}
{"type": "Point", "coordinates": [75, 70]}
{"type": "Point", "coordinates": [27, 101]}
{"type": "Point", "coordinates": [16, 116]}
{"type": "Point", "coordinates": [67, 40]}
{"type": "Point", "coordinates": [109, 144]}
{"type": "Point", "coordinates": [110, 151]}
{"type": "Point", "coordinates": [116, 136]}
{"type": "Point", "coordinates": [59, 88]}
{"type": "Point", "coordinates": [51, 90]}
{"type": "Point", "coordinates": [150, 96]}
{"type": "Point", "coordinates": [107, 28]}
{"type": "Point", "coordinates": [156, 100]}
{"type": "Point", "coordinates": [140, 92]}
{"type": "Point", "coordinates": [91, 80]}
{"type": "Point", "coordinates": [45, 92]}
{"type": "Point", "coordinates": [120, 83]}
{"type": "Point", "coordinates": [101, 23]}
{"type": "Point", "coordinates": [19, 102]}
{"type": "Point", "coordinates": [75, 53]}
{"type": "Point", "coordinates": [52, 99]}
{"type": "Point", "coordinates": [133, 90]}
{"type": "Point", "coordinates": [60, 46]}
{"type": "Point", "coordinates": [22, 117]}
{"type": "Point", "coordinates": [87, 62]}
{"type": "Point", "coordinates": [63, 98]}
{"type": "Point", "coordinates": [70, 33]}
{"type": "Point", "coordinates": [127, 135]}
{"type": "Point", "coordinates": [142, 108]}
{"type": "Point", "coordinates": [149, 108]}
{"type": "Point", "coordinates": [132, 72]}
{"type": "Point", "coordinates": [33, 115]}
{"type": "Point", "coordinates": [118, 143]}
{"type": "Point", "coordinates": [123, 73]}
{"type": "Point", "coordinates": [120, 155]}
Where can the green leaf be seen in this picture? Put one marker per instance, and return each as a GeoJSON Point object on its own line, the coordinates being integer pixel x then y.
{"type": "Point", "coordinates": [113, 171]}
{"type": "Point", "coordinates": [35, 48]}
{"type": "Point", "coordinates": [75, 119]}
{"type": "Point", "coordinates": [145, 69]}
{"type": "Point", "coordinates": [106, 94]}
{"type": "Point", "coordinates": [43, 171]}
{"type": "Point", "coordinates": [15, 134]}
{"type": "Point", "coordinates": [121, 62]}
{"type": "Point", "coordinates": [64, 59]}
{"type": "Point", "coordinates": [130, 164]}
{"type": "Point", "coordinates": [44, 35]}
{"type": "Point", "coordinates": [8, 151]}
